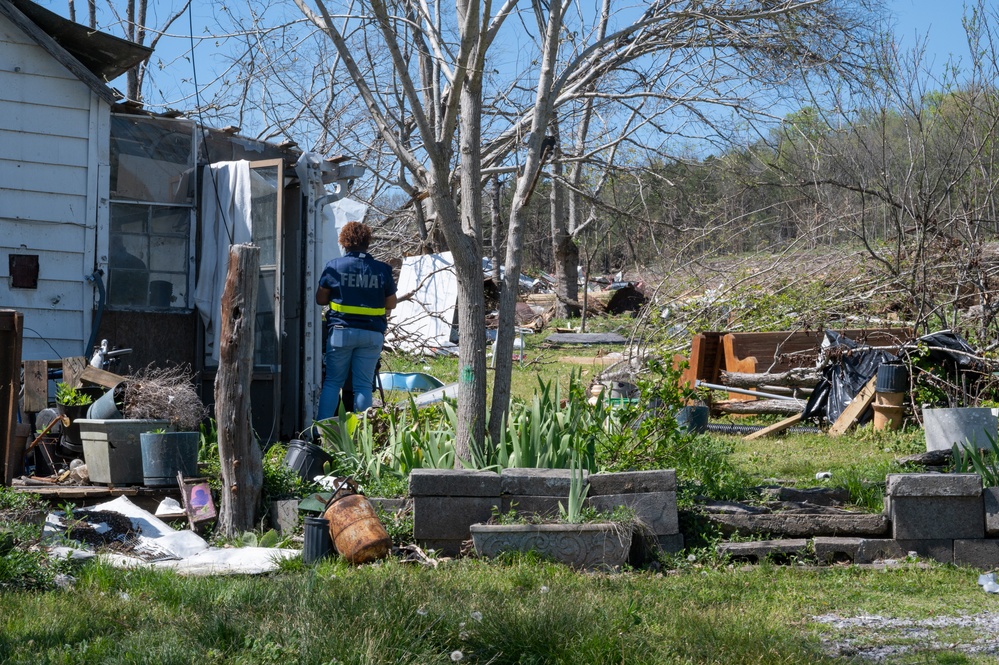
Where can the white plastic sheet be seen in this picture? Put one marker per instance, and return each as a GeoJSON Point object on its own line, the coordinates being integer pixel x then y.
{"type": "Point", "coordinates": [183, 551]}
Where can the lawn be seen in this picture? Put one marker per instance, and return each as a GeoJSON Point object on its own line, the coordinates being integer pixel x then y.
{"type": "Point", "coordinates": [688, 608]}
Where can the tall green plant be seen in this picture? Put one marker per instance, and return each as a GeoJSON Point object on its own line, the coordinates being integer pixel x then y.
{"type": "Point", "coordinates": [984, 462]}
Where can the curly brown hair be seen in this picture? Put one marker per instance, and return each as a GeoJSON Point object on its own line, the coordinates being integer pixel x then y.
{"type": "Point", "coordinates": [355, 237]}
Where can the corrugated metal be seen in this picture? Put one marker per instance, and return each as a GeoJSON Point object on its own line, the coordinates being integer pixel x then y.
{"type": "Point", "coordinates": [50, 152]}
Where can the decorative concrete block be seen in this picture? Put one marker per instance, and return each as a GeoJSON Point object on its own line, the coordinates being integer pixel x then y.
{"type": "Point", "coordinates": [632, 482]}
{"type": "Point", "coordinates": [991, 496]}
{"type": "Point", "coordinates": [982, 554]}
{"type": "Point", "coordinates": [537, 482]}
{"type": "Point", "coordinates": [657, 510]}
{"type": "Point", "coordinates": [546, 506]}
{"type": "Point", "coordinates": [448, 517]}
{"type": "Point", "coordinates": [934, 484]}
{"type": "Point", "coordinates": [937, 517]}
{"type": "Point", "coordinates": [284, 516]}
{"type": "Point", "coordinates": [453, 482]}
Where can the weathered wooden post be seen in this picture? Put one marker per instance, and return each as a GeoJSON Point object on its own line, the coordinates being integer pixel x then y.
{"type": "Point", "coordinates": [242, 469]}
{"type": "Point", "coordinates": [11, 324]}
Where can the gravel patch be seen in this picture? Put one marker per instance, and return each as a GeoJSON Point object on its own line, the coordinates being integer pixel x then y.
{"type": "Point", "coordinates": [876, 638]}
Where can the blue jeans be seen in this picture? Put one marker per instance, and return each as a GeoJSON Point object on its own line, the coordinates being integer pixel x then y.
{"type": "Point", "coordinates": [355, 350]}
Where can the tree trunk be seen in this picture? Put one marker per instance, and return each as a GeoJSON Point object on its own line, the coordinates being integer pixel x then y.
{"type": "Point", "coordinates": [496, 228]}
{"type": "Point", "coordinates": [784, 407]}
{"type": "Point", "coordinates": [804, 377]}
{"type": "Point", "coordinates": [505, 330]}
{"type": "Point", "coordinates": [242, 470]}
{"type": "Point", "coordinates": [564, 249]}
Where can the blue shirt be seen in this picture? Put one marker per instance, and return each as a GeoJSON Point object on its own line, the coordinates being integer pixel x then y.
{"type": "Point", "coordinates": [358, 287]}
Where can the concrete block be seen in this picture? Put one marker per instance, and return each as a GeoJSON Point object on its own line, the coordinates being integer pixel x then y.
{"type": "Point", "coordinates": [443, 546]}
{"type": "Point", "coordinates": [284, 516]}
{"type": "Point", "coordinates": [453, 482]}
{"type": "Point", "coordinates": [537, 482]}
{"type": "Point", "coordinates": [758, 550]}
{"type": "Point", "coordinates": [796, 525]}
{"type": "Point", "coordinates": [991, 497]}
{"type": "Point", "coordinates": [869, 550]}
{"type": "Point", "coordinates": [388, 505]}
{"type": "Point", "coordinates": [546, 506]}
{"type": "Point", "coordinates": [982, 554]}
{"type": "Point", "coordinates": [831, 548]}
{"type": "Point", "coordinates": [672, 542]}
{"type": "Point", "coordinates": [631, 482]}
{"type": "Point", "coordinates": [937, 549]}
{"type": "Point", "coordinates": [657, 510]}
{"type": "Point", "coordinates": [448, 517]}
{"type": "Point", "coordinates": [934, 484]}
{"type": "Point", "coordinates": [937, 517]}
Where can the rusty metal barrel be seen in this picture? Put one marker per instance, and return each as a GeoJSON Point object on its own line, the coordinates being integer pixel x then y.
{"type": "Point", "coordinates": [357, 533]}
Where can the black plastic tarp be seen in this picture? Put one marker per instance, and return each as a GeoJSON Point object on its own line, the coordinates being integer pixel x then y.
{"type": "Point", "coordinates": [843, 379]}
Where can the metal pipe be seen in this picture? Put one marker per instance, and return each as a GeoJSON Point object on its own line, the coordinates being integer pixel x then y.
{"type": "Point", "coordinates": [755, 393]}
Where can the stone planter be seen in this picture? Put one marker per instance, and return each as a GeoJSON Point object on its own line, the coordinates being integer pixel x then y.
{"type": "Point", "coordinates": [597, 545]}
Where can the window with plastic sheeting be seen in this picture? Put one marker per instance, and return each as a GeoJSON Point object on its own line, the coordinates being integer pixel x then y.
{"type": "Point", "coordinates": [150, 253]}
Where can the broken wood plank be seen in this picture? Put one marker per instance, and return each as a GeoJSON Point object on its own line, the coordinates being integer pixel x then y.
{"type": "Point", "coordinates": [72, 368]}
{"type": "Point", "coordinates": [36, 385]}
{"type": "Point", "coordinates": [854, 409]}
{"type": "Point", "coordinates": [775, 428]}
{"type": "Point", "coordinates": [101, 377]}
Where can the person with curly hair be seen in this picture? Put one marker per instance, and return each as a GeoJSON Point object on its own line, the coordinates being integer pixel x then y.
{"type": "Point", "coordinates": [360, 292]}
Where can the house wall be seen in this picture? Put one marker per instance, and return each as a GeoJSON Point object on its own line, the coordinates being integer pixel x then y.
{"type": "Point", "coordinates": [53, 193]}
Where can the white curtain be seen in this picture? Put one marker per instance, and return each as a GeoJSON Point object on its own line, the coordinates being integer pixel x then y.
{"type": "Point", "coordinates": [225, 221]}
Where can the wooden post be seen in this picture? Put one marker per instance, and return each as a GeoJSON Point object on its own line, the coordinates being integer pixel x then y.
{"type": "Point", "coordinates": [11, 330]}
{"type": "Point", "coordinates": [242, 467]}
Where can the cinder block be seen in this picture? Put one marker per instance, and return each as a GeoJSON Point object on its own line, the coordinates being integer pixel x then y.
{"type": "Point", "coordinates": [537, 482]}
{"type": "Point", "coordinates": [672, 542]}
{"type": "Point", "coordinates": [991, 497]}
{"type": "Point", "coordinates": [546, 506]}
{"type": "Point", "coordinates": [284, 516]}
{"type": "Point", "coordinates": [937, 517]}
{"type": "Point", "coordinates": [632, 482]}
{"type": "Point", "coordinates": [442, 546]}
{"type": "Point", "coordinates": [939, 549]}
{"type": "Point", "coordinates": [869, 550]}
{"type": "Point", "coordinates": [833, 548]}
{"type": "Point", "coordinates": [387, 505]}
{"type": "Point", "coordinates": [657, 510]}
{"type": "Point", "coordinates": [453, 482]}
{"type": "Point", "coordinates": [983, 554]}
{"type": "Point", "coordinates": [448, 517]}
{"type": "Point", "coordinates": [934, 484]}
{"type": "Point", "coordinates": [759, 550]}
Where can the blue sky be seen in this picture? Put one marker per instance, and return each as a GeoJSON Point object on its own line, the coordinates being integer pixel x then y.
{"type": "Point", "coordinates": [939, 21]}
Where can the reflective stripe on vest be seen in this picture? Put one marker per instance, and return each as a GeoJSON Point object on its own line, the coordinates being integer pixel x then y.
{"type": "Point", "coordinates": [363, 311]}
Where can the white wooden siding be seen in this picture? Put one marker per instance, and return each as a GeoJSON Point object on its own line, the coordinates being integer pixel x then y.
{"type": "Point", "coordinates": [53, 192]}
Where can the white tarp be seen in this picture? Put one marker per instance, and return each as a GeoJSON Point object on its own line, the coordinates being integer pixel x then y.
{"type": "Point", "coordinates": [225, 221]}
{"type": "Point", "coordinates": [183, 551]}
{"type": "Point", "coordinates": [422, 322]}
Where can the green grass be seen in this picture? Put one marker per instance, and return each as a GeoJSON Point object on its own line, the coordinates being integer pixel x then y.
{"type": "Point", "coordinates": [524, 611]}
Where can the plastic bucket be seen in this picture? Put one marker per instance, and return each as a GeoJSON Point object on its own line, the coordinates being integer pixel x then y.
{"type": "Point", "coordinates": [892, 379]}
{"type": "Point", "coordinates": [307, 459]}
{"type": "Point", "coordinates": [108, 406]}
{"type": "Point", "coordinates": [318, 544]}
{"type": "Point", "coordinates": [357, 533]}
{"type": "Point", "coordinates": [693, 419]}
{"type": "Point", "coordinates": [164, 454]}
